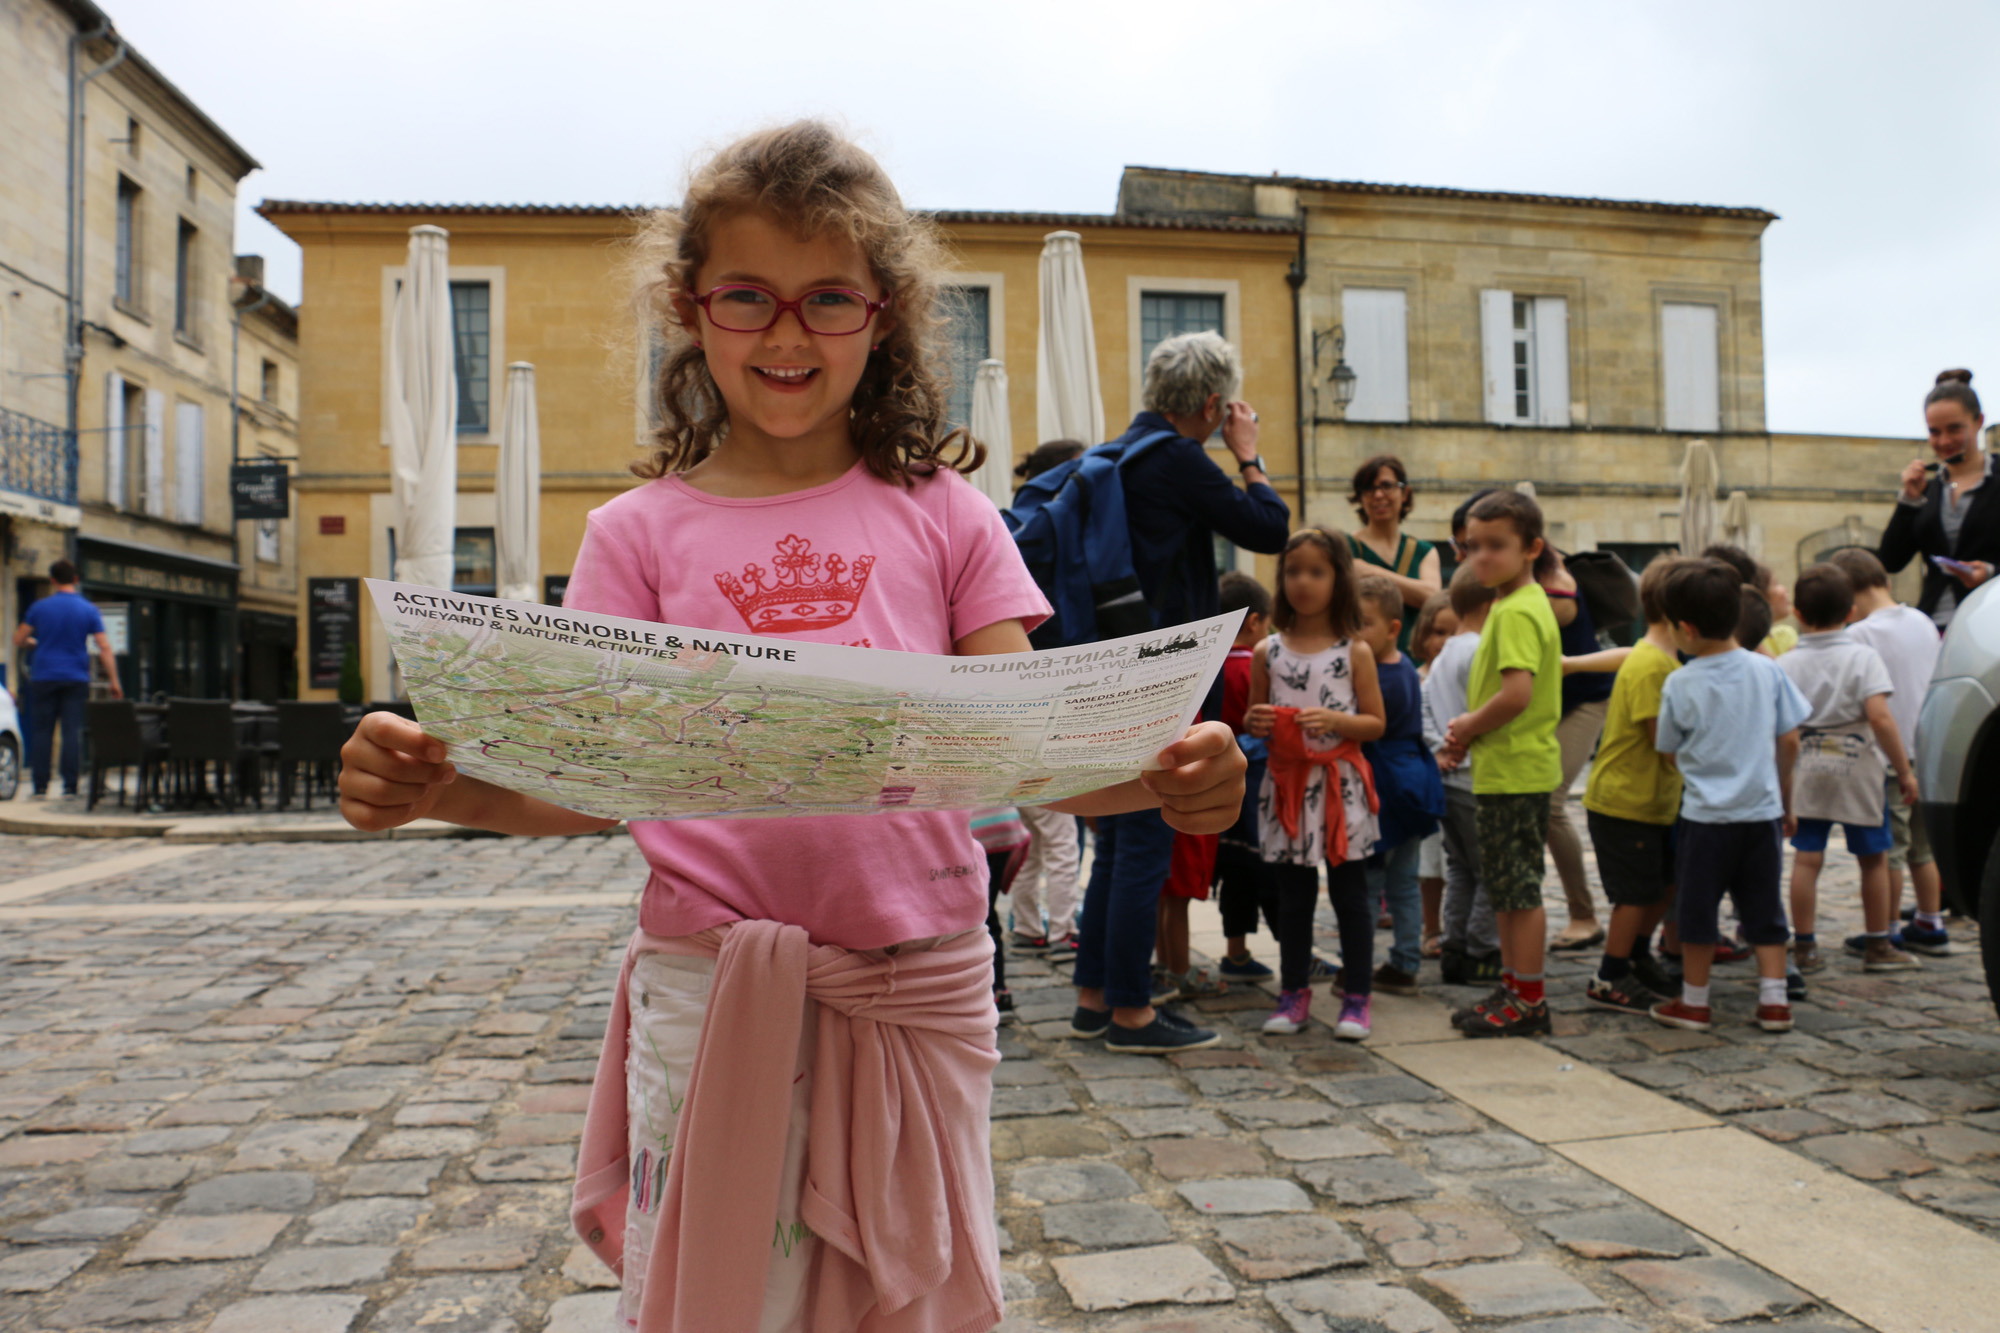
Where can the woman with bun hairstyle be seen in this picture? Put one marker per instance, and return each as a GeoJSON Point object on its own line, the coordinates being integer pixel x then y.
{"type": "Point", "coordinates": [1952, 518]}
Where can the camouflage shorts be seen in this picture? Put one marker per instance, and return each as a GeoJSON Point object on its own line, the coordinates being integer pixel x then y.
{"type": "Point", "coordinates": [1513, 829]}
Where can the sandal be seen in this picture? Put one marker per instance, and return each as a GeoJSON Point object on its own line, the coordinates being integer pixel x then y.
{"type": "Point", "coordinates": [1197, 984]}
{"type": "Point", "coordinates": [1433, 946]}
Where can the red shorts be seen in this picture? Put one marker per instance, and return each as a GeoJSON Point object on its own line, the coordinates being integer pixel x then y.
{"type": "Point", "coordinates": [1193, 867]}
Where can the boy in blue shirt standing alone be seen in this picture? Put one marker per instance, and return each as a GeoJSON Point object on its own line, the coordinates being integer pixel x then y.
{"type": "Point", "coordinates": [1730, 718]}
{"type": "Point", "coordinates": [61, 628]}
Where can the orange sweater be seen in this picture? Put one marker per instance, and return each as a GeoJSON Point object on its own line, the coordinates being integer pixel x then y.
{"type": "Point", "coordinates": [1291, 764]}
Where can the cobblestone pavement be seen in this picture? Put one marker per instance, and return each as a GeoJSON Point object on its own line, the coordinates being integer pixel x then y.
{"type": "Point", "coordinates": [329, 1088]}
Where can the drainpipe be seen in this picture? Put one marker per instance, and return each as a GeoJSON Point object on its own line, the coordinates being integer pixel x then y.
{"type": "Point", "coordinates": [1295, 278]}
{"type": "Point", "coordinates": [73, 202]}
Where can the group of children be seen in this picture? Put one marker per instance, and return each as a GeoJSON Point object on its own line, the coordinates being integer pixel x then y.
{"type": "Point", "coordinates": [1426, 791]}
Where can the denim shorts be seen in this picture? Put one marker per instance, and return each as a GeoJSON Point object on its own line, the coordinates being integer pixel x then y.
{"type": "Point", "coordinates": [1862, 839]}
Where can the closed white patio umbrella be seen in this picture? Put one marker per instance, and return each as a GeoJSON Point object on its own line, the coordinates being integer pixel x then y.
{"type": "Point", "coordinates": [1068, 404]}
{"type": "Point", "coordinates": [1736, 520]}
{"type": "Point", "coordinates": [423, 414]}
{"type": "Point", "coordinates": [517, 498]}
{"type": "Point", "coordinates": [1699, 478]}
{"type": "Point", "coordinates": [992, 427]}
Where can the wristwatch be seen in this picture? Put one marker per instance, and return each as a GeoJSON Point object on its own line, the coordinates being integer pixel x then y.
{"type": "Point", "coordinates": [1244, 464]}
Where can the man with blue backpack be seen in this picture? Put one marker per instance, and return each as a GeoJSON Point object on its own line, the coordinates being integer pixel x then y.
{"type": "Point", "coordinates": [1122, 541]}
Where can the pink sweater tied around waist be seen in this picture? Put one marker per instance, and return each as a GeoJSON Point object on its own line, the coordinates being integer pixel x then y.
{"type": "Point", "coordinates": [899, 1176]}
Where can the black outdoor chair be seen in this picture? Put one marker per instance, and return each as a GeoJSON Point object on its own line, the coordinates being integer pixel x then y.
{"type": "Point", "coordinates": [201, 732]}
{"type": "Point", "coordinates": [116, 740]}
{"type": "Point", "coordinates": [309, 734]}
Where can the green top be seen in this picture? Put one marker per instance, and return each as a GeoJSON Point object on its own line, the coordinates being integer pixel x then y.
{"type": "Point", "coordinates": [1520, 635]}
{"type": "Point", "coordinates": [1410, 553]}
{"type": "Point", "coordinates": [1629, 779]}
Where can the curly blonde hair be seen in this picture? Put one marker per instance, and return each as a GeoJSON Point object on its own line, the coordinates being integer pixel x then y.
{"type": "Point", "coordinates": [812, 179]}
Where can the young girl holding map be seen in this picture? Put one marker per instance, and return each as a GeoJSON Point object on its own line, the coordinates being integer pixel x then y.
{"type": "Point", "coordinates": [788, 1129]}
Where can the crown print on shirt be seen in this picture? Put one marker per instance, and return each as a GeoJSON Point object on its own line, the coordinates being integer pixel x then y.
{"type": "Point", "coordinates": [804, 591]}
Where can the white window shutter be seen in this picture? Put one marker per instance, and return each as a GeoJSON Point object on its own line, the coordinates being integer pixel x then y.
{"type": "Point", "coordinates": [190, 459]}
{"type": "Point", "coordinates": [114, 440]}
{"type": "Point", "coordinates": [1552, 360]}
{"type": "Point", "coordinates": [156, 454]}
{"type": "Point", "coordinates": [1378, 351]}
{"type": "Point", "coordinates": [1689, 367]}
{"type": "Point", "coordinates": [1496, 344]}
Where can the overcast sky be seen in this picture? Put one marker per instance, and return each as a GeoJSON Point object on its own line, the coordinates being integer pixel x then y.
{"type": "Point", "coordinates": [1871, 129]}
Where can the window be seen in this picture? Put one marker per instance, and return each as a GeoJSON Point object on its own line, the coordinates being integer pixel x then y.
{"type": "Point", "coordinates": [184, 279]}
{"type": "Point", "coordinates": [132, 453]}
{"type": "Point", "coordinates": [193, 183]}
{"type": "Point", "coordinates": [1525, 345]}
{"type": "Point", "coordinates": [190, 461]}
{"type": "Point", "coordinates": [126, 288]}
{"type": "Point", "coordinates": [473, 562]}
{"type": "Point", "coordinates": [472, 335]}
{"type": "Point", "coordinates": [1164, 315]}
{"type": "Point", "coordinates": [132, 136]}
{"type": "Point", "coordinates": [1689, 367]}
{"type": "Point", "coordinates": [970, 310]}
{"type": "Point", "coordinates": [267, 542]}
{"type": "Point", "coordinates": [270, 381]}
{"type": "Point", "coordinates": [1375, 320]}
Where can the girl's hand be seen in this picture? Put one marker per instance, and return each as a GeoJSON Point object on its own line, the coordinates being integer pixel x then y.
{"type": "Point", "coordinates": [1449, 758]}
{"type": "Point", "coordinates": [1260, 720]}
{"type": "Point", "coordinates": [1318, 721]}
{"type": "Point", "coordinates": [1201, 786]}
{"type": "Point", "coordinates": [390, 773]}
{"type": "Point", "coordinates": [1914, 480]}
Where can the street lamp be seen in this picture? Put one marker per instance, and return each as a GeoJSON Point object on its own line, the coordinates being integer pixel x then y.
{"type": "Point", "coordinates": [1341, 377]}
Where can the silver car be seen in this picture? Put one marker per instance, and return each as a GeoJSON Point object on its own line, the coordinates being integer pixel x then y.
{"type": "Point", "coordinates": [10, 747]}
{"type": "Point", "coordinates": [1958, 769]}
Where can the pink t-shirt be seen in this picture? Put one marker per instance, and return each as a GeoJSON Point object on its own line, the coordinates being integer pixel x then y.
{"type": "Point", "coordinates": [858, 561]}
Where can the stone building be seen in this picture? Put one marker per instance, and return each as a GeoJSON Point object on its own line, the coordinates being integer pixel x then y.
{"type": "Point", "coordinates": [117, 217]}
{"type": "Point", "coordinates": [1576, 343]}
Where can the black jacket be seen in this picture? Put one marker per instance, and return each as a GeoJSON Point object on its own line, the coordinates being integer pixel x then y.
{"type": "Point", "coordinates": [1918, 530]}
{"type": "Point", "coordinates": [1177, 501]}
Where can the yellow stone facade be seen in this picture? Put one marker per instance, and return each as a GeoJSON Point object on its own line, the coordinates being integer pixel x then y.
{"type": "Point", "coordinates": [1277, 257]}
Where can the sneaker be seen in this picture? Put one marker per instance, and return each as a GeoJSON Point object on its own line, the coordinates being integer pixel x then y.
{"type": "Point", "coordinates": [1731, 951]}
{"type": "Point", "coordinates": [1354, 1024]}
{"type": "Point", "coordinates": [1197, 984]}
{"type": "Point", "coordinates": [1646, 970]}
{"type": "Point", "coordinates": [1293, 1012]}
{"type": "Point", "coordinates": [1162, 1036]}
{"type": "Point", "coordinates": [1623, 996]}
{"type": "Point", "coordinates": [1670, 966]}
{"type": "Point", "coordinates": [1774, 1017]}
{"type": "Point", "coordinates": [1061, 951]}
{"type": "Point", "coordinates": [1857, 945]}
{"type": "Point", "coordinates": [1175, 1018]}
{"type": "Point", "coordinates": [1483, 968]}
{"type": "Point", "coordinates": [1088, 1023]}
{"type": "Point", "coordinates": [1806, 956]}
{"type": "Point", "coordinates": [1003, 1000]}
{"type": "Point", "coordinates": [1322, 970]}
{"type": "Point", "coordinates": [1678, 1014]}
{"type": "Point", "coordinates": [1478, 1009]}
{"type": "Point", "coordinates": [1795, 984]}
{"type": "Point", "coordinates": [1025, 943]}
{"type": "Point", "coordinates": [1516, 1018]}
{"type": "Point", "coordinates": [1394, 980]}
{"type": "Point", "coordinates": [1453, 966]}
{"type": "Point", "coordinates": [1245, 968]}
{"type": "Point", "coordinates": [1919, 939]}
{"type": "Point", "coordinates": [1884, 956]}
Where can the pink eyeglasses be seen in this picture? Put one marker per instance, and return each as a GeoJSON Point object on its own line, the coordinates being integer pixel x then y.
{"type": "Point", "coordinates": [742, 307]}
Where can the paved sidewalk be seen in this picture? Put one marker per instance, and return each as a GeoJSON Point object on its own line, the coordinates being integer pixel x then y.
{"type": "Point", "coordinates": [72, 817]}
{"type": "Point", "coordinates": [336, 1087]}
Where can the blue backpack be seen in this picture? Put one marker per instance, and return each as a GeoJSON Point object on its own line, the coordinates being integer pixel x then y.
{"type": "Point", "coordinates": [1069, 524]}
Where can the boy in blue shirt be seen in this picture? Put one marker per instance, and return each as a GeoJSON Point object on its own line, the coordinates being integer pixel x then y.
{"type": "Point", "coordinates": [1730, 718]}
{"type": "Point", "coordinates": [1406, 781]}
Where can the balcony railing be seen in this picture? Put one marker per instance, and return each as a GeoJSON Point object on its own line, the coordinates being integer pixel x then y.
{"type": "Point", "coordinates": [37, 468]}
